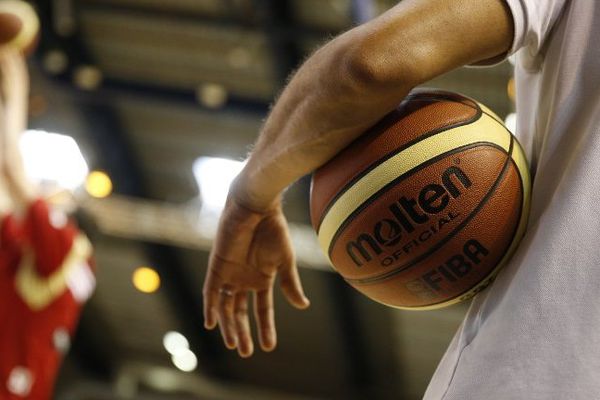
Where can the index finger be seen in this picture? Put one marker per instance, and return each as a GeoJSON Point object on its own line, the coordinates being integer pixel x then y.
{"type": "Point", "coordinates": [210, 316]}
{"type": "Point", "coordinates": [210, 295]}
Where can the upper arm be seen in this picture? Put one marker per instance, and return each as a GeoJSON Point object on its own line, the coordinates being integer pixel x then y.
{"type": "Point", "coordinates": [418, 40]}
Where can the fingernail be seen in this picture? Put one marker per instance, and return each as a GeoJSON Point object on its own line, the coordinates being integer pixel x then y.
{"type": "Point", "coordinates": [245, 353]}
{"type": "Point", "coordinates": [269, 341]}
{"type": "Point", "coordinates": [305, 302]}
{"type": "Point", "coordinates": [209, 323]}
{"type": "Point", "coordinates": [231, 344]}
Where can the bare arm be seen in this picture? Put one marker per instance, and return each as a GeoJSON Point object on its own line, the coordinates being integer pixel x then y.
{"type": "Point", "coordinates": [357, 78]}
{"type": "Point", "coordinates": [19, 27]}
{"type": "Point", "coordinates": [340, 91]}
{"type": "Point", "coordinates": [14, 91]}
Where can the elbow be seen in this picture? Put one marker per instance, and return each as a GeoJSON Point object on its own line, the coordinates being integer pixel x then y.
{"type": "Point", "coordinates": [361, 68]}
{"type": "Point", "coordinates": [367, 64]}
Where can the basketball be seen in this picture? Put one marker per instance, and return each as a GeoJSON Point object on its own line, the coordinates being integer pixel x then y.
{"type": "Point", "coordinates": [19, 25]}
{"type": "Point", "coordinates": [424, 209]}
{"type": "Point", "coordinates": [10, 27]}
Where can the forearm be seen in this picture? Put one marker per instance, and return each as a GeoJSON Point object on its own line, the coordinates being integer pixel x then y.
{"type": "Point", "coordinates": [327, 104]}
{"type": "Point", "coordinates": [13, 100]}
{"type": "Point", "coordinates": [353, 81]}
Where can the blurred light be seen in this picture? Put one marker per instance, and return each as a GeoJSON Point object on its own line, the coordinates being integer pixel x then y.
{"type": "Point", "coordinates": [98, 184]}
{"type": "Point", "coordinates": [511, 89]}
{"type": "Point", "coordinates": [512, 59]}
{"type": "Point", "coordinates": [55, 62]}
{"type": "Point", "coordinates": [185, 361]}
{"type": "Point", "coordinates": [212, 95]}
{"type": "Point", "coordinates": [239, 57]}
{"type": "Point", "coordinates": [213, 176]}
{"type": "Point", "coordinates": [362, 10]}
{"type": "Point", "coordinates": [146, 280]}
{"type": "Point", "coordinates": [55, 158]}
{"type": "Point", "coordinates": [160, 379]}
{"type": "Point", "coordinates": [126, 385]}
{"type": "Point", "coordinates": [339, 6]}
{"type": "Point", "coordinates": [175, 343]}
{"type": "Point", "coordinates": [64, 17]}
{"type": "Point", "coordinates": [87, 77]}
{"type": "Point", "coordinates": [511, 122]}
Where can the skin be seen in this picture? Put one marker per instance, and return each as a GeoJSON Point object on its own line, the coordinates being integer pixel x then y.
{"type": "Point", "coordinates": [13, 98]}
{"type": "Point", "coordinates": [16, 191]}
{"type": "Point", "coordinates": [340, 91]}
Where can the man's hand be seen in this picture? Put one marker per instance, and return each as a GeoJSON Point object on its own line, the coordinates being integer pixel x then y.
{"type": "Point", "coordinates": [251, 248]}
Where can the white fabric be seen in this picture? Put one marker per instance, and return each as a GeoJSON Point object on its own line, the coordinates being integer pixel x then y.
{"type": "Point", "coordinates": [81, 281]}
{"type": "Point", "coordinates": [20, 381]}
{"type": "Point", "coordinates": [535, 333]}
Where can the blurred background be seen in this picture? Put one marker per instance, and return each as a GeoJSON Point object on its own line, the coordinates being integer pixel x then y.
{"type": "Point", "coordinates": [145, 110]}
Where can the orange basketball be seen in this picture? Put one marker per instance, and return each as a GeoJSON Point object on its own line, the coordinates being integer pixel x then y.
{"type": "Point", "coordinates": [423, 210]}
{"type": "Point", "coordinates": [19, 25]}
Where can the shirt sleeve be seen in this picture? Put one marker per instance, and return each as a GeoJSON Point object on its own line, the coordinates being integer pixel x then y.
{"type": "Point", "coordinates": [533, 22]}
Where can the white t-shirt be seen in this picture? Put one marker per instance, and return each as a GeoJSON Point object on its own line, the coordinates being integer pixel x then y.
{"type": "Point", "coordinates": [535, 333]}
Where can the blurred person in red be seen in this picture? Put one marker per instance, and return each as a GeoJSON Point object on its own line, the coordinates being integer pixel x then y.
{"type": "Point", "coordinates": [45, 267]}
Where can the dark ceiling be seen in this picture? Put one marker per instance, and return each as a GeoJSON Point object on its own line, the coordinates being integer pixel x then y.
{"type": "Point", "coordinates": [146, 87]}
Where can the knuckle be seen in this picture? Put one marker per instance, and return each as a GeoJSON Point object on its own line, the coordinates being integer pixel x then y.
{"type": "Point", "coordinates": [226, 311]}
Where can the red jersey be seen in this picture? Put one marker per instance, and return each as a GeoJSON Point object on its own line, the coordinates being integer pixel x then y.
{"type": "Point", "coordinates": [45, 276]}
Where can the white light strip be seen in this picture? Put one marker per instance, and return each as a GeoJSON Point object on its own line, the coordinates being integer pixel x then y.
{"type": "Point", "coordinates": [213, 176]}
{"type": "Point", "coordinates": [53, 158]}
{"type": "Point", "coordinates": [185, 361]}
{"type": "Point", "coordinates": [511, 122]}
{"type": "Point", "coordinates": [175, 343]}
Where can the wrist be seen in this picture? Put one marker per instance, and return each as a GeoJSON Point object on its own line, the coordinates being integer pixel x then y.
{"type": "Point", "coordinates": [245, 194]}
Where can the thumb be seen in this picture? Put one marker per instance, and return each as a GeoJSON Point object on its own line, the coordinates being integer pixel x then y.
{"type": "Point", "coordinates": [292, 287]}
